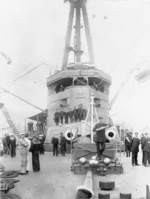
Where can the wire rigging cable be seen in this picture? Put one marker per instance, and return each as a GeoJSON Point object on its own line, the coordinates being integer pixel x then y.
{"type": "Point", "coordinates": [5, 90]}
{"type": "Point", "coordinates": [127, 52]}
{"type": "Point", "coordinates": [26, 73]}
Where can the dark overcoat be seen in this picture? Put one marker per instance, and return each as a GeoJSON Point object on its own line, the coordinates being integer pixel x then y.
{"type": "Point", "coordinates": [135, 144]}
{"type": "Point", "coordinates": [100, 134]}
{"type": "Point", "coordinates": [146, 144]}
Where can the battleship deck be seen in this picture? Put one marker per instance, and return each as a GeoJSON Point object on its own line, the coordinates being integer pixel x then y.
{"type": "Point", "coordinates": [55, 180]}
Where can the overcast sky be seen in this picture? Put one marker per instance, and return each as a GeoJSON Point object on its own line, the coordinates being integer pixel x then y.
{"type": "Point", "coordinates": [32, 32]}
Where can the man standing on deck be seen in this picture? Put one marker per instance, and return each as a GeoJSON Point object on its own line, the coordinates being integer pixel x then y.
{"type": "Point", "coordinates": [128, 139]}
{"type": "Point", "coordinates": [146, 150]}
{"type": "Point", "coordinates": [62, 144]}
{"type": "Point", "coordinates": [100, 137]}
{"type": "Point", "coordinates": [142, 139]}
{"type": "Point", "coordinates": [135, 149]}
{"type": "Point", "coordinates": [55, 143]}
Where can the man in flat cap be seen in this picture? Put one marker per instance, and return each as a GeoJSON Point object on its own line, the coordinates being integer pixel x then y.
{"type": "Point", "coordinates": [100, 137]}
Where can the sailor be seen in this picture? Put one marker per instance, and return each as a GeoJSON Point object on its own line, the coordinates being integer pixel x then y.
{"type": "Point", "coordinates": [55, 142]}
{"type": "Point", "coordinates": [38, 126]}
{"type": "Point", "coordinates": [41, 126]}
{"type": "Point", "coordinates": [75, 114]}
{"type": "Point", "coordinates": [146, 150]}
{"type": "Point", "coordinates": [31, 126]}
{"type": "Point", "coordinates": [41, 139]}
{"type": "Point", "coordinates": [61, 115]}
{"type": "Point", "coordinates": [23, 145]}
{"type": "Point", "coordinates": [35, 149]}
{"type": "Point", "coordinates": [7, 139]}
{"type": "Point", "coordinates": [70, 113]}
{"type": "Point", "coordinates": [62, 144]}
{"type": "Point", "coordinates": [94, 86]}
{"type": "Point", "coordinates": [84, 114]}
{"type": "Point", "coordinates": [12, 145]}
{"type": "Point", "coordinates": [66, 114]}
{"type": "Point", "coordinates": [100, 137]}
{"type": "Point", "coordinates": [80, 113]}
{"type": "Point", "coordinates": [56, 117]}
{"type": "Point", "coordinates": [5, 142]}
{"type": "Point", "coordinates": [128, 139]}
{"type": "Point", "coordinates": [135, 149]}
{"type": "Point", "coordinates": [61, 88]}
{"type": "Point", "coordinates": [28, 156]}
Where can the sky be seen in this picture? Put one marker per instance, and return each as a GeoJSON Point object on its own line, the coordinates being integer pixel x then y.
{"type": "Point", "coordinates": [32, 33]}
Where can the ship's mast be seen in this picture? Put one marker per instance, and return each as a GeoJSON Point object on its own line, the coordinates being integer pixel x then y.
{"type": "Point", "coordinates": [78, 7]}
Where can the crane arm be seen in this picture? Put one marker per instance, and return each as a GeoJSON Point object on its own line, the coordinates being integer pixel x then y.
{"type": "Point", "coordinates": [21, 99]}
{"type": "Point", "coordinates": [6, 57]}
{"type": "Point", "coordinates": [9, 120]}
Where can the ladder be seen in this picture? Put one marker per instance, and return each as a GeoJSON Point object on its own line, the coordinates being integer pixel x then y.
{"type": "Point", "coordinates": [8, 118]}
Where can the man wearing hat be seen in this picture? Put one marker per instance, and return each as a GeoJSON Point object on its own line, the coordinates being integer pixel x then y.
{"type": "Point", "coordinates": [146, 150]}
{"type": "Point", "coordinates": [100, 137]}
{"type": "Point", "coordinates": [135, 149]}
{"type": "Point", "coordinates": [23, 145]}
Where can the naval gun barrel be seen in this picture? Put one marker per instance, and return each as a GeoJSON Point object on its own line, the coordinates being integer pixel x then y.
{"type": "Point", "coordinates": [85, 191]}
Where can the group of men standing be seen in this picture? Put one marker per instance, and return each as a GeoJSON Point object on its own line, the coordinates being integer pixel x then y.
{"type": "Point", "coordinates": [39, 126]}
{"type": "Point", "coordinates": [9, 144]}
{"type": "Point", "coordinates": [59, 141]}
{"type": "Point", "coordinates": [75, 115]}
{"type": "Point", "coordinates": [132, 145]}
{"type": "Point", "coordinates": [25, 146]}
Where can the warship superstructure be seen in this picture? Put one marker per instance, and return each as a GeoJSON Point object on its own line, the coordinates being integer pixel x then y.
{"type": "Point", "coordinates": [71, 87]}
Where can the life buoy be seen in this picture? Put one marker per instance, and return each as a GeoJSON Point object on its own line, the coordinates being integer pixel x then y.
{"type": "Point", "coordinates": [110, 133]}
{"type": "Point", "coordinates": [70, 134]}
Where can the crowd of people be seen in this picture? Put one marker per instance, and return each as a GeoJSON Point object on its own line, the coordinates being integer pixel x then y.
{"type": "Point", "coordinates": [40, 126]}
{"type": "Point", "coordinates": [34, 145]}
{"type": "Point", "coordinates": [9, 144]}
{"type": "Point", "coordinates": [70, 116]}
{"type": "Point", "coordinates": [25, 144]}
{"type": "Point", "coordinates": [132, 144]}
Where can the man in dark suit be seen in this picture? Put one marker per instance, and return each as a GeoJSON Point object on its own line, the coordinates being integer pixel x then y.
{"type": "Point", "coordinates": [55, 143]}
{"type": "Point", "coordinates": [135, 149]}
{"type": "Point", "coordinates": [128, 139]}
{"type": "Point", "coordinates": [62, 144]}
{"type": "Point", "coordinates": [146, 150]}
{"type": "Point", "coordinates": [100, 137]}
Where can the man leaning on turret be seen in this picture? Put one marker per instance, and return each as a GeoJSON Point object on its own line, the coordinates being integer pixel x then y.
{"type": "Point", "coordinates": [100, 137]}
